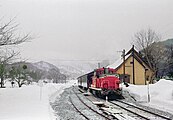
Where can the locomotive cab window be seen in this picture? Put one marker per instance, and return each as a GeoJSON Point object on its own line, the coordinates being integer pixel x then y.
{"type": "Point", "coordinates": [112, 72]}
{"type": "Point", "coordinates": [106, 71]}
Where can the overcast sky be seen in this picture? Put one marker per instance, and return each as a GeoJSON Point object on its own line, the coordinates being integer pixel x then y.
{"type": "Point", "coordinates": [85, 29]}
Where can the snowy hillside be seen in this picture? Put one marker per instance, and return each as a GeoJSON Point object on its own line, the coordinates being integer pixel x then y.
{"type": "Point", "coordinates": [41, 70]}
{"type": "Point", "coordinates": [50, 71]}
{"type": "Point", "coordinates": [73, 69]}
{"type": "Point", "coordinates": [45, 66]}
{"type": "Point", "coordinates": [70, 71]}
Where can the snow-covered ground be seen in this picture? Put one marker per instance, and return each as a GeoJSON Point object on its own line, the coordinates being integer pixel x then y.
{"type": "Point", "coordinates": [33, 102]}
{"type": "Point", "coordinates": [160, 94]}
{"type": "Point", "coordinates": [29, 102]}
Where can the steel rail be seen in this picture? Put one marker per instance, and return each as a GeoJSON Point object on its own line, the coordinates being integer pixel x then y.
{"type": "Point", "coordinates": [91, 108]}
{"type": "Point", "coordinates": [145, 110]}
{"type": "Point", "coordinates": [78, 110]}
{"type": "Point", "coordinates": [129, 110]}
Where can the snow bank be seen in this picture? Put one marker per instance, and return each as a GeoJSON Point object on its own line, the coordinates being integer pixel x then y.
{"type": "Point", "coordinates": [161, 94]}
{"type": "Point", "coordinates": [29, 102]}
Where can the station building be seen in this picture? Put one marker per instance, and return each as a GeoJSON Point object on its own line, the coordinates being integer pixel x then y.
{"type": "Point", "coordinates": [136, 70]}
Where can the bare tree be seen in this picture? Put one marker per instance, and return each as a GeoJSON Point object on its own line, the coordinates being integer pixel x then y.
{"type": "Point", "coordinates": [8, 40]}
{"type": "Point", "coordinates": [147, 41]}
{"type": "Point", "coordinates": [8, 34]}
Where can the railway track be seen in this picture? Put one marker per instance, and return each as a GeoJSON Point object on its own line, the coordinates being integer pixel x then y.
{"type": "Point", "coordinates": [86, 117]}
{"type": "Point", "coordinates": [133, 110]}
{"type": "Point", "coordinates": [139, 112]}
{"type": "Point", "coordinates": [87, 111]}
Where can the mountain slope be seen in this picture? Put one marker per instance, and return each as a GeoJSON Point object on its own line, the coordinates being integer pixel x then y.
{"type": "Point", "coordinates": [45, 66]}
{"type": "Point", "coordinates": [73, 69]}
{"type": "Point", "coordinates": [42, 70]}
{"type": "Point", "coordinates": [168, 42]}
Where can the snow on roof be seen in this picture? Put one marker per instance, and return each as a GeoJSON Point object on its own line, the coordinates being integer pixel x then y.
{"type": "Point", "coordinates": [118, 62]}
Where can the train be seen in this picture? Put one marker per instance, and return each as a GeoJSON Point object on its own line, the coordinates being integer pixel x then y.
{"type": "Point", "coordinates": [101, 82]}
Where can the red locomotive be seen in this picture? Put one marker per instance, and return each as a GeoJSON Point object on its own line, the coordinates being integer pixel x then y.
{"type": "Point", "coordinates": [101, 82]}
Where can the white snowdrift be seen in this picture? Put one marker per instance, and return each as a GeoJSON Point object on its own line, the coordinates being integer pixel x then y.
{"type": "Point", "coordinates": [29, 102]}
{"type": "Point", "coordinates": [32, 102]}
{"type": "Point", "coordinates": [161, 94]}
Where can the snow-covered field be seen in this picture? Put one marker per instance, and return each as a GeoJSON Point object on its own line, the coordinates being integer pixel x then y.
{"type": "Point", "coordinates": [33, 102]}
{"type": "Point", "coordinates": [29, 102]}
{"type": "Point", "coordinates": [160, 94]}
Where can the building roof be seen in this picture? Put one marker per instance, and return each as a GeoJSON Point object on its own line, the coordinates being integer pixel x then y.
{"type": "Point", "coordinates": [119, 62]}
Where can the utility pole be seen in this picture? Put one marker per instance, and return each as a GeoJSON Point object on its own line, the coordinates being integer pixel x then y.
{"type": "Point", "coordinates": [123, 55]}
{"type": "Point", "coordinates": [98, 65]}
{"type": "Point", "coordinates": [133, 65]}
